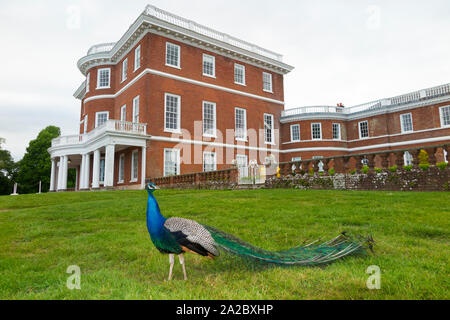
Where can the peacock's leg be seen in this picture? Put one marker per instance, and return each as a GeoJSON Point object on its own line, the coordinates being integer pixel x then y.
{"type": "Point", "coordinates": [172, 262]}
{"type": "Point", "coordinates": [181, 257]}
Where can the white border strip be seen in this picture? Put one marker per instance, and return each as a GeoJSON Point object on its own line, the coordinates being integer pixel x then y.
{"type": "Point", "coordinates": [376, 146]}
{"type": "Point", "coordinates": [187, 80]}
{"type": "Point", "coordinates": [212, 144]}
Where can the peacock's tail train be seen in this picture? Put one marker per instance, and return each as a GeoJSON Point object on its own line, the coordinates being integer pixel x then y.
{"type": "Point", "coordinates": [308, 255]}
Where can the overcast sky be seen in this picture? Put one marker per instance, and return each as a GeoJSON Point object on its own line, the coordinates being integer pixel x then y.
{"type": "Point", "coordinates": [343, 51]}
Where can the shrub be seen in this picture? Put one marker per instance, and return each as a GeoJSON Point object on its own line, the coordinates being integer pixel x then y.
{"type": "Point", "coordinates": [442, 165]}
{"type": "Point", "coordinates": [353, 171]}
{"type": "Point", "coordinates": [321, 173]}
{"type": "Point", "coordinates": [365, 169]}
{"type": "Point", "coordinates": [311, 171]}
{"type": "Point", "coordinates": [424, 166]}
{"type": "Point", "coordinates": [407, 168]}
{"type": "Point", "coordinates": [393, 168]}
{"type": "Point", "coordinates": [332, 172]}
{"type": "Point", "coordinates": [378, 170]}
{"type": "Point", "coordinates": [423, 157]}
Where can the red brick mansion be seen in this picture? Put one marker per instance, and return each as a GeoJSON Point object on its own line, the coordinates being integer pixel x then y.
{"type": "Point", "coordinates": [173, 97]}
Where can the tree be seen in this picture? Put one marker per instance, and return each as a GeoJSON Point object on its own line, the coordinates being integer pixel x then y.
{"type": "Point", "coordinates": [8, 170]}
{"type": "Point", "coordinates": [36, 163]}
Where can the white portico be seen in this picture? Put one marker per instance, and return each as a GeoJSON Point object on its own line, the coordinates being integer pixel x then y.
{"type": "Point", "coordinates": [102, 143]}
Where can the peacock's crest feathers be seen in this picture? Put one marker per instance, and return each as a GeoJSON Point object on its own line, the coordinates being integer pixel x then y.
{"type": "Point", "coordinates": [308, 255]}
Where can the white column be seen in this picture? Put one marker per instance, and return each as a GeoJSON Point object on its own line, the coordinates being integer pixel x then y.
{"type": "Point", "coordinates": [60, 173]}
{"type": "Point", "coordinates": [82, 168]}
{"type": "Point", "coordinates": [64, 173]}
{"type": "Point", "coordinates": [52, 176]}
{"type": "Point", "coordinates": [109, 166]}
{"type": "Point", "coordinates": [87, 171]}
{"type": "Point", "coordinates": [77, 174]}
{"type": "Point", "coordinates": [143, 166]}
{"type": "Point", "coordinates": [96, 170]}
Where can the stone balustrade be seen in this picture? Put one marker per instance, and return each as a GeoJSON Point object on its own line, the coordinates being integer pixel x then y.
{"type": "Point", "coordinates": [376, 160]}
{"type": "Point", "coordinates": [220, 179]}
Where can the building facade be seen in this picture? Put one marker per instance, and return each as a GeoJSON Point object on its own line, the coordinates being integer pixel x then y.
{"type": "Point", "coordinates": [174, 97]}
{"type": "Point", "coordinates": [420, 118]}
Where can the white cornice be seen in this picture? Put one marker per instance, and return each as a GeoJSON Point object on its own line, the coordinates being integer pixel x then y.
{"type": "Point", "coordinates": [147, 23]}
{"type": "Point", "coordinates": [81, 91]}
{"type": "Point", "coordinates": [187, 80]}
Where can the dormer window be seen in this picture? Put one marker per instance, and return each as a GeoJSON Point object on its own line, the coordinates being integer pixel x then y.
{"type": "Point", "coordinates": [103, 78]}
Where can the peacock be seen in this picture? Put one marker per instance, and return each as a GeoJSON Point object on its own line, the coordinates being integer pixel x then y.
{"type": "Point", "coordinates": [176, 236]}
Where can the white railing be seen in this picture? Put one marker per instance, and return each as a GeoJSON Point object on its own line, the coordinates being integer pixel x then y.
{"type": "Point", "coordinates": [412, 97]}
{"type": "Point", "coordinates": [102, 47]}
{"type": "Point", "coordinates": [108, 126]}
{"type": "Point", "coordinates": [63, 140]}
{"type": "Point", "coordinates": [438, 91]}
{"type": "Point", "coordinates": [316, 109]}
{"type": "Point", "coordinates": [211, 33]}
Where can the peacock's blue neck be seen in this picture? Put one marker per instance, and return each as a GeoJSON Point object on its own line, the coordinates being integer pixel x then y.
{"type": "Point", "coordinates": [155, 220]}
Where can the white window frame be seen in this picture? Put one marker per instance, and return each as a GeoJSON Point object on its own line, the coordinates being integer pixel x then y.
{"type": "Point", "coordinates": [136, 110]}
{"type": "Point", "coordinates": [121, 173]}
{"type": "Point", "coordinates": [338, 130]}
{"type": "Point", "coordinates": [214, 129]}
{"type": "Point", "coordinates": [123, 113]}
{"type": "Point", "coordinates": [239, 66]}
{"type": "Point", "coordinates": [137, 57]}
{"type": "Point", "coordinates": [244, 120]}
{"type": "Point", "coordinates": [360, 131]}
{"type": "Point", "coordinates": [177, 157]}
{"type": "Point", "coordinates": [312, 130]}
{"type": "Point", "coordinates": [124, 69]}
{"type": "Point", "coordinates": [272, 130]}
{"type": "Point", "coordinates": [88, 80]}
{"type": "Point", "coordinates": [441, 116]}
{"type": "Point", "coordinates": [292, 133]}
{"type": "Point", "coordinates": [270, 82]}
{"type": "Point", "coordinates": [102, 168]}
{"type": "Point", "coordinates": [213, 75]}
{"type": "Point", "coordinates": [296, 159]}
{"type": "Point", "coordinates": [402, 124]}
{"type": "Point", "coordinates": [97, 114]}
{"type": "Point", "coordinates": [209, 153]}
{"type": "Point", "coordinates": [98, 78]}
{"type": "Point", "coordinates": [85, 123]}
{"type": "Point", "coordinates": [134, 155]}
{"type": "Point", "coordinates": [178, 129]}
{"type": "Point", "coordinates": [178, 65]}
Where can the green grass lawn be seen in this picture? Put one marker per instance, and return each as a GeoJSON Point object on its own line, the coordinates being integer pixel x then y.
{"type": "Point", "coordinates": [105, 234]}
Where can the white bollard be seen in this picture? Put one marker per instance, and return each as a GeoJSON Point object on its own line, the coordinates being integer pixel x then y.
{"type": "Point", "coordinates": [15, 190]}
{"type": "Point", "coordinates": [40, 187]}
